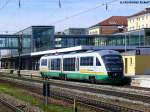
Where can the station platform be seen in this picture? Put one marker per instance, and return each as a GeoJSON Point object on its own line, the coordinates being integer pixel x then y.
{"type": "Point", "coordinates": [23, 72]}
{"type": "Point", "coordinates": [136, 80]}
{"type": "Point", "coordinates": [140, 81]}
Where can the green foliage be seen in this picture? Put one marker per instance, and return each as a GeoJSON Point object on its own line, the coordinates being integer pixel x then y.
{"type": "Point", "coordinates": [21, 95]}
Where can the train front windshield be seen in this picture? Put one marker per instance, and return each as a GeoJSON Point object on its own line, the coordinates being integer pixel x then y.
{"type": "Point", "coordinates": [113, 62]}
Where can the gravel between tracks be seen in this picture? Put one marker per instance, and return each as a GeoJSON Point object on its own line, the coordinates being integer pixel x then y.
{"type": "Point", "coordinates": [26, 107]}
{"type": "Point", "coordinates": [92, 96]}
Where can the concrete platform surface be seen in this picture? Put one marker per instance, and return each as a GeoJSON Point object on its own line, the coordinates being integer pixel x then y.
{"type": "Point", "coordinates": [141, 81]}
{"type": "Point", "coordinates": [25, 72]}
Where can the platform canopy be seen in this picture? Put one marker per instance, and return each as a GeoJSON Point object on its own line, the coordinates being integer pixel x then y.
{"type": "Point", "coordinates": [83, 48]}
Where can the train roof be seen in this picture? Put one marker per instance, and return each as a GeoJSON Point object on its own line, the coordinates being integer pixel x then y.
{"type": "Point", "coordinates": [89, 52]}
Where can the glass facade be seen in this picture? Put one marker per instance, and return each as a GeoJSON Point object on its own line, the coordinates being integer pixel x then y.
{"type": "Point", "coordinates": [37, 38]}
{"type": "Point", "coordinates": [133, 38]}
{"type": "Point", "coordinates": [8, 41]}
{"type": "Point", "coordinates": [62, 41]}
{"type": "Point", "coordinates": [40, 38]}
{"type": "Point", "coordinates": [43, 38]}
{"type": "Point", "coordinates": [147, 36]}
{"type": "Point", "coordinates": [76, 31]}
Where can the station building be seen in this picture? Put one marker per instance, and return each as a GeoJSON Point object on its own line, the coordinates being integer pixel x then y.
{"type": "Point", "coordinates": [133, 38]}
{"type": "Point", "coordinates": [33, 39]}
{"type": "Point", "coordinates": [136, 62]}
{"type": "Point", "coordinates": [42, 38]}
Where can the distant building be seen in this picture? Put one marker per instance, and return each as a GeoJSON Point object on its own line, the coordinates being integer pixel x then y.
{"type": "Point", "coordinates": [139, 20]}
{"type": "Point", "coordinates": [111, 25]}
{"type": "Point", "coordinates": [75, 31]}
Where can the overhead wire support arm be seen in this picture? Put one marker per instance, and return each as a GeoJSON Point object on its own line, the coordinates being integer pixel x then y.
{"type": "Point", "coordinates": [19, 3]}
{"type": "Point", "coordinates": [59, 3]}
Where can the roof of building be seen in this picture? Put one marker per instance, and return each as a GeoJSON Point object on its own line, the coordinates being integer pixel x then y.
{"type": "Point", "coordinates": [75, 28]}
{"type": "Point", "coordinates": [147, 10]}
{"type": "Point", "coordinates": [113, 21]}
{"type": "Point", "coordinates": [35, 26]}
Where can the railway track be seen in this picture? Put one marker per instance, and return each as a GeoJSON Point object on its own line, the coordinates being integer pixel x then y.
{"type": "Point", "coordinates": [129, 95]}
{"type": "Point", "coordinates": [10, 106]}
{"type": "Point", "coordinates": [80, 99]}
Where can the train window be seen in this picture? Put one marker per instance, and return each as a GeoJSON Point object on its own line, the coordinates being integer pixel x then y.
{"type": "Point", "coordinates": [69, 64]}
{"type": "Point", "coordinates": [86, 61]}
{"type": "Point", "coordinates": [44, 62]}
{"type": "Point", "coordinates": [98, 62]}
{"type": "Point", "coordinates": [55, 64]}
{"type": "Point", "coordinates": [113, 59]}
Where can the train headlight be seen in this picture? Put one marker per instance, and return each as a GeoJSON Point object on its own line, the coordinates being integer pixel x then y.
{"type": "Point", "coordinates": [109, 69]}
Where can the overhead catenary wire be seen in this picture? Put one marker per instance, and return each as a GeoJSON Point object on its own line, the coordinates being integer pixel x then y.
{"type": "Point", "coordinates": [84, 11]}
{"type": "Point", "coordinates": [72, 16]}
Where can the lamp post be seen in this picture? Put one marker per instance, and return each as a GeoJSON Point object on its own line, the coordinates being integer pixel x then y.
{"type": "Point", "coordinates": [19, 53]}
{"type": "Point", "coordinates": [125, 42]}
{"type": "Point", "coordinates": [139, 38]}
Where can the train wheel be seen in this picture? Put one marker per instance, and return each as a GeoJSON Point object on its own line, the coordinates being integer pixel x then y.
{"type": "Point", "coordinates": [92, 79]}
{"type": "Point", "coordinates": [60, 77]}
{"type": "Point", "coordinates": [63, 76]}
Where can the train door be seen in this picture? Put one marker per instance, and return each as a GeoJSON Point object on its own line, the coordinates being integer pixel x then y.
{"type": "Point", "coordinates": [77, 64]}
{"type": "Point", "coordinates": [49, 64]}
{"type": "Point", "coordinates": [61, 64]}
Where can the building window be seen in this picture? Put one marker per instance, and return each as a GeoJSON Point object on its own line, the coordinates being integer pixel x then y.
{"type": "Point", "coordinates": [69, 64]}
{"type": "Point", "coordinates": [44, 62]}
{"type": "Point", "coordinates": [86, 61]}
{"type": "Point", "coordinates": [133, 27]}
{"type": "Point", "coordinates": [55, 64]}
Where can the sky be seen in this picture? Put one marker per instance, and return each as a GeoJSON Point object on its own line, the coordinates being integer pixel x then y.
{"type": "Point", "coordinates": [48, 12]}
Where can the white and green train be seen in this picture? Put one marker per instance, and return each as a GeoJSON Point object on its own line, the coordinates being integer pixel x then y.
{"type": "Point", "coordinates": [104, 66]}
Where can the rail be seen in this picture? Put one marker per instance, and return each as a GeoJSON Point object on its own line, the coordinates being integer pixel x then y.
{"type": "Point", "coordinates": [12, 107]}
{"type": "Point", "coordinates": [84, 100]}
{"type": "Point", "coordinates": [102, 90]}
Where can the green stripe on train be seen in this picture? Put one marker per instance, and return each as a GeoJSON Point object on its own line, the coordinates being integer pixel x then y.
{"type": "Point", "coordinates": [75, 75]}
